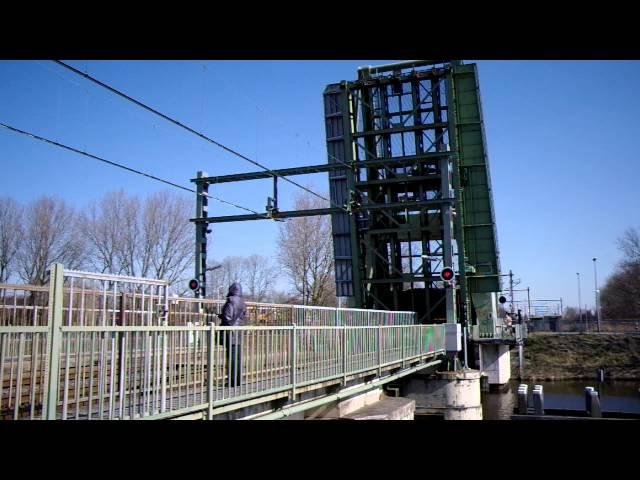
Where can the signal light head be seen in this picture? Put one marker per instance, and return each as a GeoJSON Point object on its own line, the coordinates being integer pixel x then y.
{"type": "Point", "coordinates": [447, 274]}
{"type": "Point", "coordinates": [194, 284]}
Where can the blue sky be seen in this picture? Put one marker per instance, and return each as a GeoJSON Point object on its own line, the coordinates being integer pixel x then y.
{"type": "Point", "coordinates": [561, 139]}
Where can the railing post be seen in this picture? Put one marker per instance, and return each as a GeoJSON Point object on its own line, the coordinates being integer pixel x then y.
{"type": "Point", "coordinates": [379, 350]}
{"type": "Point", "coordinates": [294, 363]}
{"type": "Point", "coordinates": [402, 344]}
{"type": "Point", "coordinates": [54, 339]}
{"type": "Point", "coordinates": [210, 363]}
{"type": "Point", "coordinates": [344, 355]}
{"type": "Point", "coordinates": [165, 353]}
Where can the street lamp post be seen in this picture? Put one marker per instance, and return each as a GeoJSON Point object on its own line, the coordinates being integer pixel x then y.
{"type": "Point", "coordinates": [579, 299]}
{"type": "Point", "coordinates": [595, 279]}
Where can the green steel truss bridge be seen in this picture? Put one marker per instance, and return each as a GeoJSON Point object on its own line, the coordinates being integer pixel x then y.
{"type": "Point", "coordinates": [410, 195]}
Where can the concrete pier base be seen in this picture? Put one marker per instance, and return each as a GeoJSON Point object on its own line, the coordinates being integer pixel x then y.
{"type": "Point", "coordinates": [453, 395]}
{"type": "Point", "coordinates": [462, 395]}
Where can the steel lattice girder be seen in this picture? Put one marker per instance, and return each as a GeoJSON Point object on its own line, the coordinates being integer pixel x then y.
{"type": "Point", "coordinates": [420, 111]}
{"type": "Point", "coordinates": [391, 176]}
{"type": "Point", "coordinates": [390, 120]}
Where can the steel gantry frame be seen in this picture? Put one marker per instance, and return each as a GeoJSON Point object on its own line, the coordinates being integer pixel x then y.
{"type": "Point", "coordinates": [410, 191]}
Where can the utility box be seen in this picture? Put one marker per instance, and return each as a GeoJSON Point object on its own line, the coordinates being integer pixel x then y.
{"type": "Point", "coordinates": [453, 337]}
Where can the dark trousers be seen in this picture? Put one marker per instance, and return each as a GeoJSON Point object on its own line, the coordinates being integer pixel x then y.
{"type": "Point", "coordinates": [234, 364]}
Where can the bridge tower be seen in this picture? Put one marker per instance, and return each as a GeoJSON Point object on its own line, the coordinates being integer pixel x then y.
{"type": "Point", "coordinates": [408, 139]}
{"type": "Point", "coordinates": [410, 193]}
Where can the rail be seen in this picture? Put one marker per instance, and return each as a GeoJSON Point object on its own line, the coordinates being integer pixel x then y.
{"type": "Point", "coordinates": [110, 347]}
{"type": "Point", "coordinates": [110, 303]}
{"type": "Point", "coordinates": [113, 372]}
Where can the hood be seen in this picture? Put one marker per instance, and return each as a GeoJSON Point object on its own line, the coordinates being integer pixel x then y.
{"type": "Point", "coordinates": [235, 290]}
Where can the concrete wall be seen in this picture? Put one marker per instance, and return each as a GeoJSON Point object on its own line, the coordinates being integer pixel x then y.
{"type": "Point", "coordinates": [335, 410]}
{"type": "Point", "coordinates": [373, 405]}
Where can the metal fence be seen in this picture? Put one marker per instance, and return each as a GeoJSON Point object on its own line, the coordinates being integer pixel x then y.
{"type": "Point", "coordinates": [23, 305]}
{"type": "Point", "coordinates": [192, 311]}
{"type": "Point", "coordinates": [91, 299]}
{"type": "Point", "coordinates": [105, 351]}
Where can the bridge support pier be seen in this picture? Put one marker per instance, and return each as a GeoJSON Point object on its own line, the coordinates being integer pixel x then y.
{"type": "Point", "coordinates": [495, 362]}
{"type": "Point", "coordinates": [455, 395]}
{"type": "Point", "coordinates": [462, 395]}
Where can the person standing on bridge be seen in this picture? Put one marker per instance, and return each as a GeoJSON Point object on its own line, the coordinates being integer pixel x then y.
{"type": "Point", "coordinates": [233, 315]}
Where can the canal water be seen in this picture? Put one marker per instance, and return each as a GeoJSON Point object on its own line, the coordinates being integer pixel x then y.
{"type": "Point", "coordinates": [617, 396]}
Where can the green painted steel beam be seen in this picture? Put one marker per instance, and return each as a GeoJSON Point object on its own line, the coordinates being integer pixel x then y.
{"type": "Point", "coordinates": [426, 179]}
{"type": "Point", "coordinates": [327, 167]}
{"type": "Point", "coordinates": [323, 211]}
{"type": "Point", "coordinates": [480, 237]}
{"type": "Point", "coordinates": [390, 67]}
{"type": "Point", "coordinates": [412, 128]}
{"type": "Point", "coordinates": [284, 172]}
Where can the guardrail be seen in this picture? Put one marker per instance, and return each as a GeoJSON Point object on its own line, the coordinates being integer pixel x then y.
{"type": "Point", "coordinates": [111, 372]}
{"type": "Point", "coordinates": [114, 304]}
{"type": "Point", "coordinates": [23, 305]}
{"type": "Point", "coordinates": [79, 366]}
{"type": "Point", "coordinates": [189, 311]}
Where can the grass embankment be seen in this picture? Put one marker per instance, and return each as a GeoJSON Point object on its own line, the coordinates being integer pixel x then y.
{"type": "Point", "coordinates": [564, 357]}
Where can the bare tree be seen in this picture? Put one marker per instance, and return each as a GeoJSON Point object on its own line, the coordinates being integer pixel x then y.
{"type": "Point", "coordinates": [306, 254]}
{"type": "Point", "coordinates": [133, 259]}
{"type": "Point", "coordinates": [260, 276]}
{"type": "Point", "coordinates": [168, 235]}
{"type": "Point", "coordinates": [10, 236]}
{"type": "Point", "coordinates": [102, 224]}
{"type": "Point", "coordinates": [570, 314]}
{"type": "Point", "coordinates": [154, 239]}
{"type": "Point", "coordinates": [51, 234]}
{"type": "Point", "coordinates": [629, 243]}
{"type": "Point", "coordinates": [283, 298]}
{"type": "Point", "coordinates": [620, 295]}
{"type": "Point", "coordinates": [231, 269]}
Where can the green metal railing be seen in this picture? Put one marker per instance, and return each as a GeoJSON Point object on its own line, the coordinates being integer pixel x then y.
{"type": "Point", "coordinates": [88, 366]}
{"type": "Point", "coordinates": [184, 311]}
{"type": "Point", "coordinates": [111, 372]}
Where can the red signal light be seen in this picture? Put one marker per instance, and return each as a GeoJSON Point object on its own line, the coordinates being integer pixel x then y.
{"type": "Point", "coordinates": [194, 284]}
{"type": "Point", "coordinates": [447, 274]}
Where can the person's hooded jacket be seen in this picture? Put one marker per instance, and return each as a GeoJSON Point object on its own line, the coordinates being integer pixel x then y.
{"type": "Point", "coordinates": [234, 310]}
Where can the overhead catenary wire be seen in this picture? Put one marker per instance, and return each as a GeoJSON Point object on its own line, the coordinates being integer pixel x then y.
{"type": "Point", "coordinates": [119, 165]}
{"type": "Point", "coordinates": [189, 129]}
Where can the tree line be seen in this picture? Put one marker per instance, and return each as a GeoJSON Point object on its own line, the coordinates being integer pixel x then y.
{"type": "Point", "coordinates": [152, 237]}
{"type": "Point", "coordinates": [620, 296]}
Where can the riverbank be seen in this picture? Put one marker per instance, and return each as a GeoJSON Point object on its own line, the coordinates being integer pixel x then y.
{"type": "Point", "coordinates": [549, 356]}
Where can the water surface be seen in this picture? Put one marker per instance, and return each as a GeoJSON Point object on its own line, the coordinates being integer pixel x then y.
{"type": "Point", "coordinates": [615, 396]}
